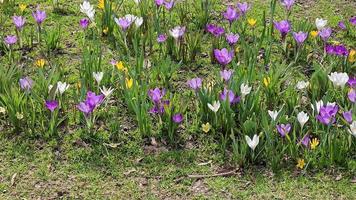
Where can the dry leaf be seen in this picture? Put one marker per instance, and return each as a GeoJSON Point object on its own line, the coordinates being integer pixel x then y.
{"type": "Point", "coordinates": [13, 179]}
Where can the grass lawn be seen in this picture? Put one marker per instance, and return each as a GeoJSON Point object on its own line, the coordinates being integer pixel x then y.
{"type": "Point", "coordinates": [136, 169]}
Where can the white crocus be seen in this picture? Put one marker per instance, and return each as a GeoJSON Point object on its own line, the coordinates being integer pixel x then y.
{"type": "Point", "coordinates": [130, 18]}
{"type": "Point", "coordinates": [302, 85]}
{"type": "Point", "coordinates": [254, 142]}
{"type": "Point", "coordinates": [245, 89]}
{"type": "Point", "coordinates": [273, 114]}
{"type": "Point", "coordinates": [138, 21]}
{"type": "Point", "coordinates": [88, 10]}
{"type": "Point", "coordinates": [352, 129]}
{"type": "Point", "coordinates": [177, 32]}
{"type": "Point", "coordinates": [106, 91]}
{"type": "Point", "coordinates": [62, 87]}
{"type": "Point", "coordinates": [338, 79]}
{"type": "Point", "coordinates": [318, 105]}
{"type": "Point", "coordinates": [98, 76]}
{"type": "Point", "coordinates": [302, 118]}
{"type": "Point", "coordinates": [320, 23]}
{"type": "Point", "coordinates": [215, 106]}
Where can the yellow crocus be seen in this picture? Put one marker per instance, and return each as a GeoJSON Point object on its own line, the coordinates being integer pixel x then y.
{"type": "Point", "coordinates": [314, 33]}
{"type": "Point", "coordinates": [266, 81]}
{"type": "Point", "coordinates": [129, 83]}
{"type": "Point", "coordinates": [40, 63]}
{"type": "Point", "coordinates": [237, 50]}
{"type": "Point", "coordinates": [22, 7]}
{"type": "Point", "coordinates": [352, 56]}
{"type": "Point", "coordinates": [206, 127]}
{"type": "Point", "coordinates": [314, 143]}
{"type": "Point", "coordinates": [106, 30]}
{"type": "Point", "coordinates": [301, 163]}
{"type": "Point", "coordinates": [101, 4]}
{"type": "Point", "coordinates": [252, 22]}
{"type": "Point", "coordinates": [120, 66]}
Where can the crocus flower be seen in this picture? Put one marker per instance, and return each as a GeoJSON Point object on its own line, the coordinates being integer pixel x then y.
{"type": "Point", "coordinates": [352, 129]}
{"type": "Point", "coordinates": [283, 27]}
{"type": "Point", "coordinates": [302, 85]}
{"type": "Point", "coordinates": [288, 4]}
{"type": "Point", "coordinates": [156, 94]}
{"type": "Point", "coordinates": [84, 23]}
{"type": "Point", "coordinates": [305, 141]}
{"type": "Point", "coordinates": [39, 16]}
{"type": "Point", "coordinates": [352, 95]}
{"type": "Point", "coordinates": [300, 37]}
{"type": "Point", "coordinates": [352, 82]}
{"type": "Point", "coordinates": [87, 9]}
{"type": "Point", "coordinates": [353, 20]}
{"type": "Point", "coordinates": [106, 91]}
{"type": "Point", "coordinates": [161, 38]}
{"type": "Point", "coordinates": [159, 2]}
{"type": "Point", "coordinates": [85, 108]}
{"type": "Point", "coordinates": [284, 129]}
{"type": "Point", "coordinates": [338, 79]}
{"type": "Point", "coordinates": [51, 105]}
{"type": "Point", "coordinates": [338, 50]}
{"type": "Point", "coordinates": [252, 143]}
{"type": "Point", "coordinates": [169, 5]}
{"type": "Point", "coordinates": [223, 56]}
{"type": "Point", "coordinates": [302, 118]}
{"type": "Point", "coordinates": [19, 21]}
{"type": "Point", "coordinates": [10, 39]}
{"type": "Point", "coordinates": [325, 33]}
{"type": "Point", "coordinates": [98, 76]}
{"type": "Point", "coordinates": [177, 32]}
{"type": "Point", "coordinates": [215, 106]}
{"type": "Point", "coordinates": [195, 83]}
{"type": "Point", "coordinates": [341, 25]}
{"type": "Point", "coordinates": [245, 90]}
{"type": "Point", "coordinates": [177, 118]}
{"type": "Point", "coordinates": [230, 14]}
{"type": "Point", "coordinates": [320, 23]}
{"type": "Point", "coordinates": [232, 38]}
{"type": "Point", "coordinates": [347, 116]}
{"type": "Point", "coordinates": [215, 30]}
{"type": "Point", "coordinates": [138, 22]}
{"type": "Point", "coordinates": [327, 114]}
{"type": "Point", "coordinates": [62, 87]}
{"type": "Point", "coordinates": [243, 7]}
{"type": "Point", "coordinates": [273, 114]}
{"type": "Point", "coordinates": [229, 94]}
{"type": "Point", "coordinates": [123, 22]}
{"type": "Point", "coordinates": [226, 74]}
{"type": "Point", "coordinates": [26, 83]}
{"type": "Point", "coordinates": [91, 102]}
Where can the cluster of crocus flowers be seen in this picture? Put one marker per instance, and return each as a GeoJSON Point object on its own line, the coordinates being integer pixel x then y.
{"type": "Point", "coordinates": [215, 30]}
{"type": "Point", "coordinates": [337, 50]}
{"type": "Point", "coordinates": [91, 102]}
{"type": "Point", "coordinates": [327, 114]}
{"type": "Point", "coordinates": [156, 95]}
{"type": "Point", "coordinates": [229, 95]}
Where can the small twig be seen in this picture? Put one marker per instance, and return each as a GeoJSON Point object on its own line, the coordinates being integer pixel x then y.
{"type": "Point", "coordinates": [229, 173]}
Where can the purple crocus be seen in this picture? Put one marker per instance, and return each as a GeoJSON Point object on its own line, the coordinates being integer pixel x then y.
{"type": "Point", "coordinates": [161, 38]}
{"type": "Point", "coordinates": [283, 27]}
{"type": "Point", "coordinates": [306, 140]}
{"type": "Point", "coordinates": [232, 38]}
{"type": "Point", "coordinates": [26, 83]}
{"type": "Point", "coordinates": [338, 50]}
{"type": "Point", "coordinates": [10, 39]}
{"type": "Point", "coordinates": [300, 37]}
{"type": "Point", "coordinates": [91, 102]}
{"type": "Point", "coordinates": [288, 4]}
{"type": "Point", "coordinates": [177, 118]}
{"type": "Point", "coordinates": [19, 21]}
{"type": "Point", "coordinates": [327, 114]}
{"type": "Point", "coordinates": [84, 23]}
{"type": "Point", "coordinates": [347, 116]}
{"type": "Point", "coordinates": [169, 5]}
{"type": "Point", "coordinates": [230, 96]}
{"type": "Point", "coordinates": [352, 95]}
{"type": "Point", "coordinates": [352, 82]}
{"type": "Point", "coordinates": [231, 14]}
{"type": "Point", "coordinates": [156, 94]}
{"type": "Point", "coordinates": [215, 30]}
{"type": "Point", "coordinates": [226, 74]}
{"type": "Point", "coordinates": [243, 7]}
{"type": "Point", "coordinates": [284, 129]}
{"type": "Point", "coordinates": [341, 25]}
{"type": "Point", "coordinates": [85, 108]}
{"type": "Point", "coordinates": [353, 20]}
{"type": "Point", "coordinates": [325, 33]}
{"type": "Point", "coordinates": [39, 16]}
{"type": "Point", "coordinates": [123, 22]}
{"type": "Point", "coordinates": [223, 56]}
{"type": "Point", "coordinates": [195, 83]}
{"type": "Point", "coordinates": [51, 105]}
{"type": "Point", "coordinates": [159, 2]}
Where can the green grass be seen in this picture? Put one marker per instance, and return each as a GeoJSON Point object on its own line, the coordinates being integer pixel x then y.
{"type": "Point", "coordinates": [131, 171]}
